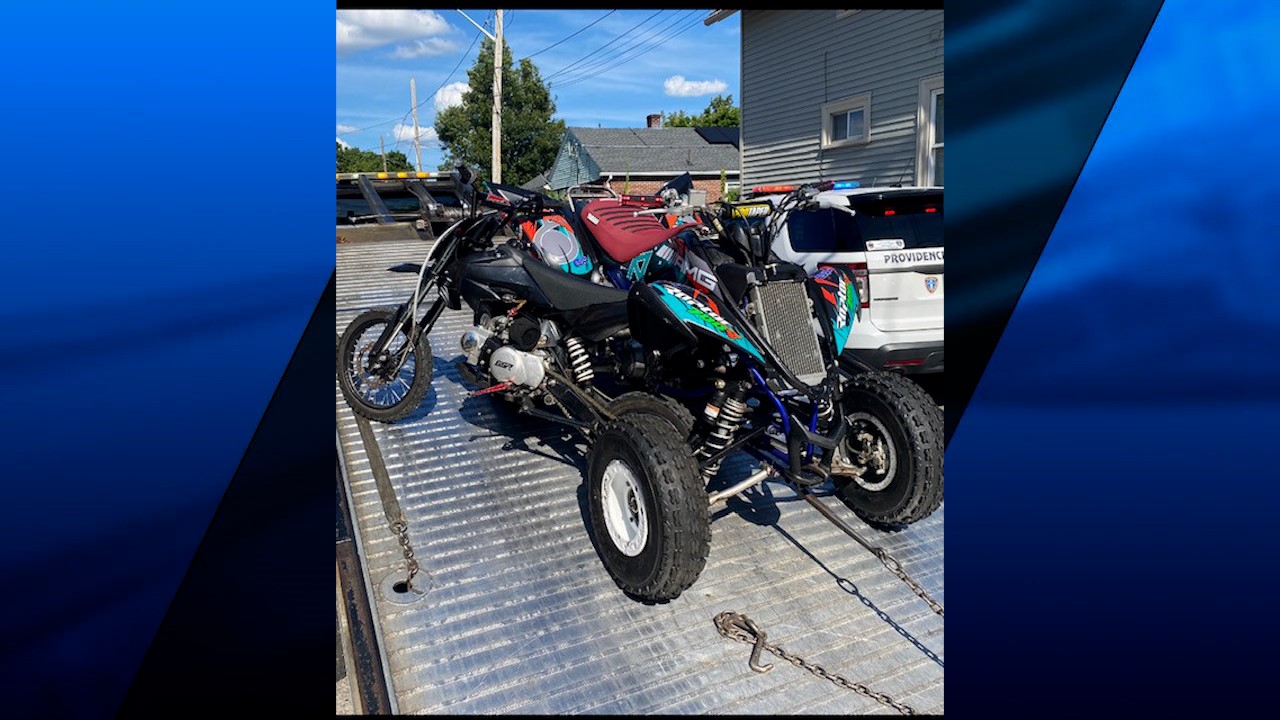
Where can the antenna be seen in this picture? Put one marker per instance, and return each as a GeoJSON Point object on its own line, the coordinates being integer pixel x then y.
{"type": "Point", "coordinates": [906, 169]}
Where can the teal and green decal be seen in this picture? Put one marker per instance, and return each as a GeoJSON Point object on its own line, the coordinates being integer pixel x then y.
{"type": "Point", "coordinates": [700, 311]}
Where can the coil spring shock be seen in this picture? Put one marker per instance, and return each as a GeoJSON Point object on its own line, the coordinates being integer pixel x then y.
{"type": "Point", "coordinates": [726, 410]}
{"type": "Point", "coordinates": [579, 361]}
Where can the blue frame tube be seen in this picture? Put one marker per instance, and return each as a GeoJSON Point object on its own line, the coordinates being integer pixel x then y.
{"type": "Point", "coordinates": [782, 411]}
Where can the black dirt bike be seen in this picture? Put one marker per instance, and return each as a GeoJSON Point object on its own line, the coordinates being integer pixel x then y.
{"type": "Point", "coordinates": [624, 367]}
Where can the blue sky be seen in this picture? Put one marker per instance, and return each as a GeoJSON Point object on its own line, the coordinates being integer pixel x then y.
{"type": "Point", "coordinates": [626, 65]}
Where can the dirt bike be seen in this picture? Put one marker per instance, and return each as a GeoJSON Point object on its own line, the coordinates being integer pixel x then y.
{"type": "Point", "coordinates": [540, 336]}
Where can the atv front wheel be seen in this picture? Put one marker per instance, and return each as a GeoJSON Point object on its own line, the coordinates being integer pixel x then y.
{"type": "Point", "coordinates": [648, 507]}
{"type": "Point", "coordinates": [661, 405]}
{"type": "Point", "coordinates": [888, 468]}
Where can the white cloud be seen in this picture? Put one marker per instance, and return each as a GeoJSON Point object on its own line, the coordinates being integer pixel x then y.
{"type": "Point", "coordinates": [677, 86]}
{"type": "Point", "coordinates": [343, 143]}
{"type": "Point", "coordinates": [346, 128]}
{"type": "Point", "coordinates": [405, 132]}
{"type": "Point", "coordinates": [425, 48]}
{"type": "Point", "coordinates": [450, 95]}
{"type": "Point", "coordinates": [364, 29]}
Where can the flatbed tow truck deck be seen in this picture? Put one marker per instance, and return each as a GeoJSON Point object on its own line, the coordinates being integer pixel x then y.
{"type": "Point", "coordinates": [517, 613]}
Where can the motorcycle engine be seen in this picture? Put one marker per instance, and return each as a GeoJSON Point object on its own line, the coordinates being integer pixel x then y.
{"type": "Point", "coordinates": [517, 367]}
{"type": "Point", "coordinates": [510, 349]}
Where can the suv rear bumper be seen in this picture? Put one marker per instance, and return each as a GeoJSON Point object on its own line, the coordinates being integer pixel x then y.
{"type": "Point", "coordinates": [910, 358]}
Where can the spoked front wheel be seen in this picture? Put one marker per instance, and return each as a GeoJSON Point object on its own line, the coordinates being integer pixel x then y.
{"type": "Point", "coordinates": [383, 386]}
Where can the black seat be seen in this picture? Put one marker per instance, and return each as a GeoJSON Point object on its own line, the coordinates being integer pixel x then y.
{"type": "Point", "coordinates": [569, 292]}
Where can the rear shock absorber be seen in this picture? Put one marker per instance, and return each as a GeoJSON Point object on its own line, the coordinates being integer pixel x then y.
{"type": "Point", "coordinates": [724, 411]}
{"type": "Point", "coordinates": [579, 361]}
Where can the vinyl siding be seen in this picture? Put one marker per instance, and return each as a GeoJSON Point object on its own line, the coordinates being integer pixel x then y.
{"type": "Point", "coordinates": [573, 165]}
{"type": "Point", "coordinates": [884, 52]}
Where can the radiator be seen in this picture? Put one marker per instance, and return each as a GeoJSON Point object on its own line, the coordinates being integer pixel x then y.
{"type": "Point", "coordinates": [783, 315]}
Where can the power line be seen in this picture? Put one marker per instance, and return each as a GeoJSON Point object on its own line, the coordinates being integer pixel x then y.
{"type": "Point", "coordinates": [584, 58]}
{"type": "Point", "coordinates": [625, 58]}
{"type": "Point", "coordinates": [526, 57]}
{"type": "Point", "coordinates": [643, 43]}
{"type": "Point", "coordinates": [615, 46]}
{"type": "Point", "coordinates": [429, 97]}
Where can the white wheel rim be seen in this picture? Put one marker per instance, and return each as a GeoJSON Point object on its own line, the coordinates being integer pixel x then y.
{"type": "Point", "coordinates": [625, 515]}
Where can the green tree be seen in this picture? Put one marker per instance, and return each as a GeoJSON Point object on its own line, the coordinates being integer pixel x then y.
{"type": "Point", "coordinates": [720, 112]}
{"type": "Point", "coordinates": [352, 159]}
{"type": "Point", "coordinates": [530, 138]}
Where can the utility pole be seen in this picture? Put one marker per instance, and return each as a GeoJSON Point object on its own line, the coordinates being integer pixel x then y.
{"type": "Point", "coordinates": [413, 98]}
{"type": "Point", "coordinates": [383, 142]}
{"type": "Point", "coordinates": [497, 103]}
{"type": "Point", "coordinates": [496, 172]}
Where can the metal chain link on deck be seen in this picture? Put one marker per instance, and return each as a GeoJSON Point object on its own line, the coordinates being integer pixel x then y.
{"type": "Point", "coordinates": [737, 626]}
{"type": "Point", "coordinates": [401, 529]}
{"type": "Point", "coordinates": [888, 560]}
{"type": "Point", "coordinates": [895, 567]}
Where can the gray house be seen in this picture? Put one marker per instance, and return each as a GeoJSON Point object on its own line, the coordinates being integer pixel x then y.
{"type": "Point", "coordinates": [641, 160]}
{"type": "Point", "coordinates": [841, 95]}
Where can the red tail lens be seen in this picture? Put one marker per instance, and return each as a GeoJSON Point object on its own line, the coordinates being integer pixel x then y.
{"type": "Point", "coordinates": [862, 281]}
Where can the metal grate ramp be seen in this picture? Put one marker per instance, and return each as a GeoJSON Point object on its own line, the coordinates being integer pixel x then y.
{"type": "Point", "coordinates": [520, 615]}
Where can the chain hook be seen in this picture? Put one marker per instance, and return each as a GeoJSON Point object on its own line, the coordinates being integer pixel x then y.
{"type": "Point", "coordinates": [737, 626]}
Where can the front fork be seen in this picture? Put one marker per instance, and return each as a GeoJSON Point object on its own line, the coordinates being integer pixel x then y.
{"type": "Point", "coordinates": [403, 321]}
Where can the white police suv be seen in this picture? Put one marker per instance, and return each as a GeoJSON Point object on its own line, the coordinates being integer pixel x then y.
{"type": "Point", "coordinates": [893, 246]}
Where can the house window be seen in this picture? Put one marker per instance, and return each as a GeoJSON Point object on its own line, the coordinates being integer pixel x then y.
{"type": "Point", "coordinates": [929, 133]}
{"type": "Point", "coordinates": [846, 122]}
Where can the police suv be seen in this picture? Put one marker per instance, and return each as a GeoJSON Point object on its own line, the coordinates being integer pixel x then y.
{"type": "Point", "coordinates": [892, 243]}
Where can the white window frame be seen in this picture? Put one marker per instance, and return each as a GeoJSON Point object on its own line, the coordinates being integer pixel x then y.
{"type": "Point", "coordinates": [930, 88]}
{"type": "Point", "coordinates": [857, 102]}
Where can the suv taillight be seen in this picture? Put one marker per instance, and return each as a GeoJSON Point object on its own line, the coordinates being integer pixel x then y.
{"type": "Point", "coordinates": [863, 282]}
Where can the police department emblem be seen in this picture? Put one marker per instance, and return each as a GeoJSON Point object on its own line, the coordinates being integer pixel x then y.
{"type": "Point", "coordinates": [931, 284]}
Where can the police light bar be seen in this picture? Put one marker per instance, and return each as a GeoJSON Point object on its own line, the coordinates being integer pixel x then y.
{"type": "Point", "coordinates": [771, 189]}
{"type": "Point", "coordinates": [846, 185]}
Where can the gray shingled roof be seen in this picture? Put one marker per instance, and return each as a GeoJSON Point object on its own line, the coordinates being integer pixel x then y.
{"type": "Point", "coordinates": [660, 150]}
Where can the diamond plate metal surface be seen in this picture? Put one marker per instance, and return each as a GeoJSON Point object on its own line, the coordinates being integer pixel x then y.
{"type": "Point", "coordinates": [521, 617]}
